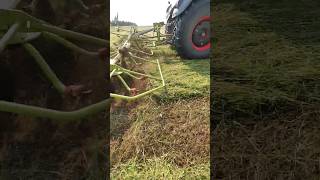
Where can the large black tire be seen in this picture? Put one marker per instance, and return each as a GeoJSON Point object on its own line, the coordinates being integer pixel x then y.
{"type": "Point", "coordinates": [192, 31]}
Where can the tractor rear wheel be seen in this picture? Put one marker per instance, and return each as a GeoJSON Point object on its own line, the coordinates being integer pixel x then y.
{"type": "Point", "coordinates": [192, 31]}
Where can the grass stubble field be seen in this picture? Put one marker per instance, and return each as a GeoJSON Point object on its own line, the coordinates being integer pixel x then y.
{"type": "Point", "coordinates": [165, 136]}
{"type": "Point", "coordinates": [265, 89]}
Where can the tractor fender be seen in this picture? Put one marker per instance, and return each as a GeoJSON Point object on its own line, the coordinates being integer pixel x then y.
{"type": "Point", "coordinates": [180, 7]}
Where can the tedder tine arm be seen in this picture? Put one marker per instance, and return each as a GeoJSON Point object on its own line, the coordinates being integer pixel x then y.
{"type": "Point", "coordinates": [144, 32]}
{"type": "Point", "coordinates": [73, 35]}
{"type": "Point", "coordinates": [50, 75]}
{"type": "Point", "coordinates": [126, 51]}
{"type": "Point", "coordinates": [140, 58]}
{"type": "Point", "coordinates": [34, 111]}
{"type": "Point", "coordinates": [8, 36]}
{"type": "Point", "coordinates": [139, 74]}
{"type": "Point", "coordinates": [69, 45]}
{"type": "Point", "coordinates": [28, 28]}
{"type": "Point", "coordinates": [132, 98]}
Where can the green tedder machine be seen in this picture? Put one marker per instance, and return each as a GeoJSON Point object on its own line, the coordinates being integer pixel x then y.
{"type": "Point", "coordinates": [20, 29]}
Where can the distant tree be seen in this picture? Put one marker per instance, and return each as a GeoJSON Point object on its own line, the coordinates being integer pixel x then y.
{"type": "Point", "coordinates": [116, 22]}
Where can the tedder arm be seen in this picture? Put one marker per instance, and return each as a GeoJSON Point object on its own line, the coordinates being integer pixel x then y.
{"type": "Point", "coordinates": [126, 52]}
{"type": "Point", "coordinates": [17, 27]}
{"type": "Point", "coordinates": [54, 114]}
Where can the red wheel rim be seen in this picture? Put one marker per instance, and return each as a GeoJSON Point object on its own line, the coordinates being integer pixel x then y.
{"type": "Point", "coordinates": [195, 46]}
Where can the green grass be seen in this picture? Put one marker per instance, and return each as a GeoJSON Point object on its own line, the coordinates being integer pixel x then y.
{"type": "Point", "coordinates": [114, 39]}
{"type": "Point", "coordinates": [185, 79]}
{"type": "Point", "coordinates": [173, 124]}
{"type": "Point", "coordinates": [179, 130]}
{"type": "Point", "coordinates": [159, 168]}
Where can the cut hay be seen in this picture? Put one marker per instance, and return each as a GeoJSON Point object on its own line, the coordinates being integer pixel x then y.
{"type": "Point", "coordinates": [265, 90]}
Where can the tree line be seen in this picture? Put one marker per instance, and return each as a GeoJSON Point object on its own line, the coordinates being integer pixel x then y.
{"type": "Point", "coordinates": [122, 23]}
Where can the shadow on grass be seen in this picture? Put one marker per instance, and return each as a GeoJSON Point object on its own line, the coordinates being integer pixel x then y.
{"type": "Point", "coordinates": [296, 20]}
{"type": "Point", "coordinates": [265, 55]}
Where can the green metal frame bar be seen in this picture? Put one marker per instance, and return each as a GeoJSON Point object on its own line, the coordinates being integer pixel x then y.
{"type": "Point", "coordinates": [32, 24]}
{"type": "Point", "coordinates": [133, 76]}
{"type": "Point", "coordinates": [124, 52]}
{"type": "Point", "coordinates": [54, 114]}
{"type": "Point", "coordinates": [155, 39]}
{"type": "Point", "coordinates": [50, 75]}
{"type": "Point", "coordinates": [124, 70]}
{"type": "Point", "coordinates": [69, 45]}
{"type": "Point", "coordinates": [25, 28]}
{"type": "Point", "coordinates": [149, 54]}
{"type": "Point", "coordinates": [112, 72]}
{"type": "Point", "coordinates": [140, 58]}
{"type": "Point", "coordinates": [132, 98]}
{"type": "Point", "coordinates": [20, 38]}
{"type": "Point", "coordinates": [141, 36]}
{"type": "Point", "coordinates": [4, 41]}
{"type": "Point", "coordinates": [124, 82]}
{"type": "Point", "coordinates": [133, 60]}
{"type": "Point", "coordinates": [73, 35]}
